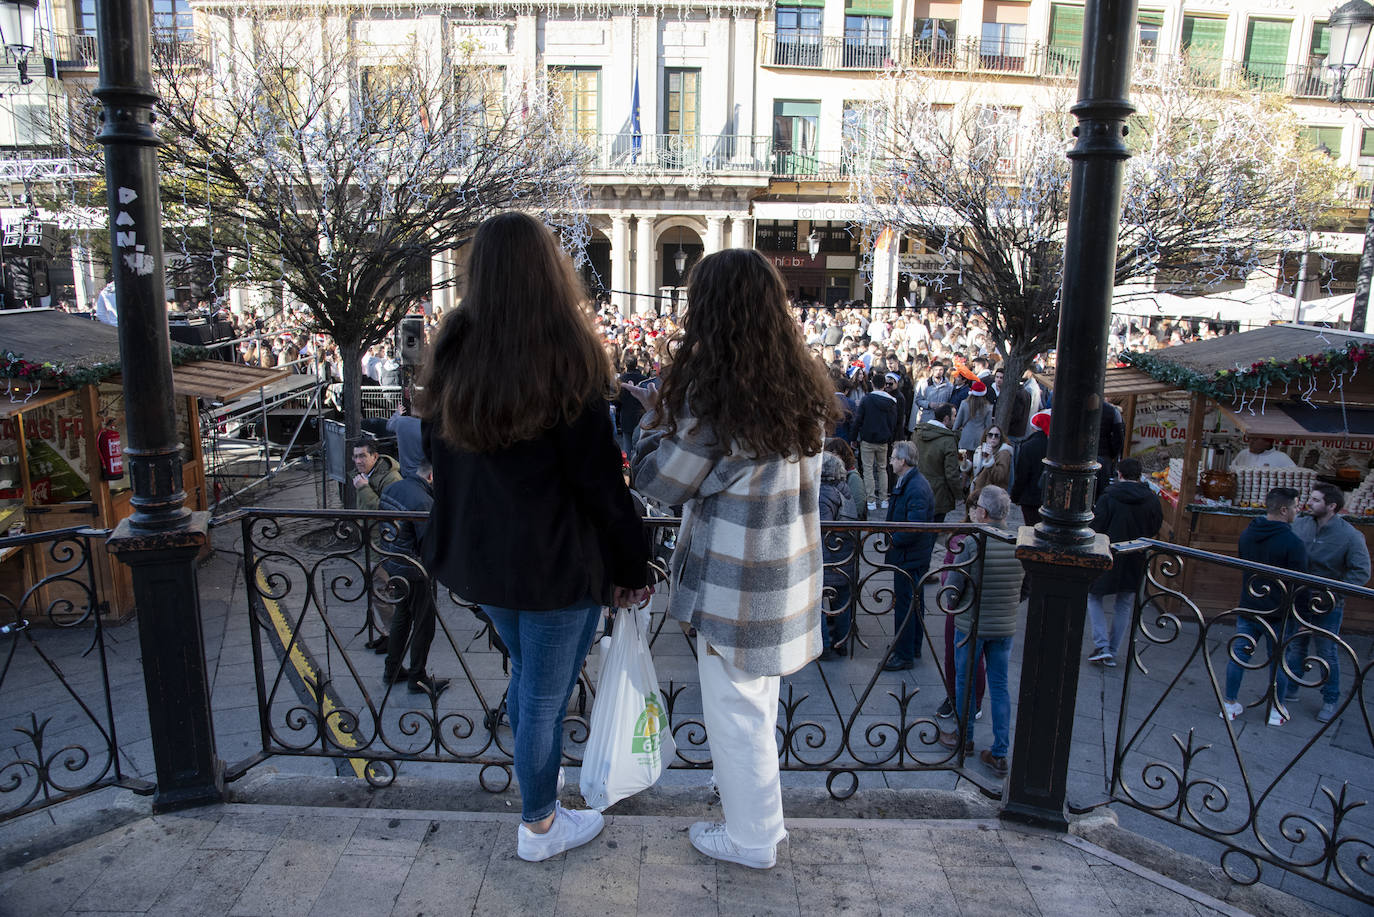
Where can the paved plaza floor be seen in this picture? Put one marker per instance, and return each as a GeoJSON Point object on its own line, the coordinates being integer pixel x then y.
{"type": "Point", "coordinates": [277, 861]}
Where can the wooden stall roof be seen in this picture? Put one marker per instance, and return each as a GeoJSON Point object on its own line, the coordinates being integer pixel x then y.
{"type": "Point", "coordinates": [1282, 342]}
{"type": "Point", "coordinates": [46, 335]}
{"type": "Point", "coordinates": [218, 381]}
{"type": "Point", "coordinates": [1120, 382]}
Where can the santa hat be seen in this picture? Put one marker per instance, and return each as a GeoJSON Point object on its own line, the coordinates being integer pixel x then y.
{"type": "Point", "coordinates": [1041, 421]}
{"type": "Point", "coordinates": [977, 388]}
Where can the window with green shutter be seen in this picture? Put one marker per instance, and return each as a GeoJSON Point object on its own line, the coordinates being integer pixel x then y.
{"type": "Point", "coordinates": [1266, 52]}
{"type": "Point", "coordinates": [1319, 137]}
{"type": "Point", "coordinates": [1320, 46]}
{"type": "Point", "coordinates": [1066, 38]}
{"type": "Point", "coordinates": [868, 8]}
{"type": "Point", "coordinates": [1148, 24]}
{"type": "Point", "coordinates": [1367, 143]}
{"type": "Point", "coordinates": [1201, 44]}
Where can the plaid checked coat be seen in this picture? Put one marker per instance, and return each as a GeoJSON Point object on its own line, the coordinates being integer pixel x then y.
{"type": "Point", "coordinates": [747, 566]}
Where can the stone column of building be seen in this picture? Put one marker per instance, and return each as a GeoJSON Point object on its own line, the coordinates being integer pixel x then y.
{"type": "Point", "coordinates": [715, 232]}
{"type": "Point", "coordinates": [441, 272]}
{"type": "Point", "coordinates": [741, 235]}
{"type": "Point", "coordinates": [620, 262]}
{"type": "Point", "coordinates": [645, 263]}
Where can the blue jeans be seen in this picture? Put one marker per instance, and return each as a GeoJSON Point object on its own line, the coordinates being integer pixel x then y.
{"type": "Point", "coordinates": [996, 651]}
{"type": "Point", "coordinates": [1325, 650]}
{"type": "Point", "coordinates": [546, 653]}
{"type": "Point", "coordinates": [908, 645]}
{"type": "Point", "coordinates": [1245, 625]}
{"type": "Point", "coordinates": [1113, 640]}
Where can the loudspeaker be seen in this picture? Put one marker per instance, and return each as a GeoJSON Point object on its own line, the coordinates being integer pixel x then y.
{"type": "Point", "coordinates": [411, 340]}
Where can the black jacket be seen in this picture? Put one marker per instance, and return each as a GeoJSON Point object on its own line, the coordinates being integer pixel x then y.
{"type": "Point", "coordinates": [1274, 543]}
{"type": "Point", "coordinates": [876, 419]}
{"type": "Point", "coordinates": [628, 410]}
{"type": "Point", "coordinates": [539, 526]}
{"type": "Point", "coordinates": [1126, 510]}
{"type": "Point", "coordinates": [1030, 465]}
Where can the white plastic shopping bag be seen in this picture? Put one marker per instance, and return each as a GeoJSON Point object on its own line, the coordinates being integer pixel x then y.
{"type": "Point", "coordinates": [629, 737]}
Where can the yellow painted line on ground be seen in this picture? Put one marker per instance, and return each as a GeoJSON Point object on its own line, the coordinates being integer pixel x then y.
{"type": "Point", "coordinates": [309, 674]}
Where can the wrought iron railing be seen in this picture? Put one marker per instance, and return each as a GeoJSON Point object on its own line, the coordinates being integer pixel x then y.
{"type": "Point", "coordinates": [712, 154]}
{"type": "Point", "coordinates": [59, 735]}
{"type": "Point", "coordinates": [318, 588]}
{"type": "Point", "coordinates": [1290, 796]}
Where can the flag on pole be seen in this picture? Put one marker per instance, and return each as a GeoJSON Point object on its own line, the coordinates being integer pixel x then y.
{"type": "Point", "coordinates": [636, 140]}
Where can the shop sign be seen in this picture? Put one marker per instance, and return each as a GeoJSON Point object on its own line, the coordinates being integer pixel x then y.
{"type": "Point", "coordinates": [911, 263]}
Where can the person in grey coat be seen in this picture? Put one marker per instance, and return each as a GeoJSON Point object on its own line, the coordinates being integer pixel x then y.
{"type": "Point", "coordinates": [1335, 550]}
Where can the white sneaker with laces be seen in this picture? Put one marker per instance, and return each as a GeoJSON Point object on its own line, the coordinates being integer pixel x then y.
{"type": "Point", "coordinates": [1276, 718]}
{"type": "Point", "coordinates": [712, 840]}
{"type": "Point", "coordinates": [1231, 709]}
{"type": "Point", "coordinates": [571, 828]}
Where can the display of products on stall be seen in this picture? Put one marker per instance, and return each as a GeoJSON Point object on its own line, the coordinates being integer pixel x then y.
{"type": "Point", "coordinates": [1361, 500]}
{"type": "Point", "coordinates": [1253, 483]}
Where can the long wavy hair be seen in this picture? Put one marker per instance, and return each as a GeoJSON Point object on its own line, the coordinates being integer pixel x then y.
{"type": "Point", "coordinates": [519, 355]}
{"type": "Point", "coordinates": [741, 365]}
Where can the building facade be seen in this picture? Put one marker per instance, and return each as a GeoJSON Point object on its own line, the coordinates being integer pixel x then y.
{"type": "Point", "coordinates": [733, 124]}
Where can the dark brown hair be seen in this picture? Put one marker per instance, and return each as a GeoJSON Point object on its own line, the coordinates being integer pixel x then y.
{"type": "Point", "coordinates": [741, 365]}
{"type": "Point", "coordinates": [519, 355]}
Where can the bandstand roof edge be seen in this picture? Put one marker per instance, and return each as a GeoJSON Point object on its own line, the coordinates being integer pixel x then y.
{"type": "Point", "coordinates": [223, 6]}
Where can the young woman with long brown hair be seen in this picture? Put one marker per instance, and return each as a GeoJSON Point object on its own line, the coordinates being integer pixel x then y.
{"type": "Point", "coordinates": [735, 438]}
{"type": "Point", "coordinates": [532, 519]}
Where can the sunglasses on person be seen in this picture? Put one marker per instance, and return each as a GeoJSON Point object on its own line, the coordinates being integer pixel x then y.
{"type": "Point", "coordinates": [994, 435]}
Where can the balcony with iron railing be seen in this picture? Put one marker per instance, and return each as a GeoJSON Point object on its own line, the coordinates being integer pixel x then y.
{"type": "Point", "coordinates": [684, 154]}
{"type": "Point", "coordinates": [75, 51]}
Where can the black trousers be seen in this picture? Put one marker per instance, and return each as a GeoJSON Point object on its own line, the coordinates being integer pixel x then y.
{"type": "Point", "coordinates": [413, 624]}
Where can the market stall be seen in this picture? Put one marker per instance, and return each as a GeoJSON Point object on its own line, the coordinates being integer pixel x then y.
{"type": "Point", "coordinates": [61, 434]}
{"type": "Point", "coordinates": [1295, 404]}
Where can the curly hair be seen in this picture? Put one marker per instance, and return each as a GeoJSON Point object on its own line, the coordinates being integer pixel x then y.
{"type": "Point", "coordinates": [519, 355]}
{"type": "Point", "coordinates": [741, 365]}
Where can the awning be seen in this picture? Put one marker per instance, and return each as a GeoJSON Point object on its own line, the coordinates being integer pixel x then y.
{"type": "Point", "coordinates": [1303, 422]}
{"type": "Point", "coordinates": [1120, 382]}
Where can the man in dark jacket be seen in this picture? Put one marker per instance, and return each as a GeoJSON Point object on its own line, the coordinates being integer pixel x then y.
{"type": "Point", "coordinates": [937, 446]}
{"type": "Point", "coordinates": [375, 472]}
{"type": "Point", "coordinates": [414, 621]}
{"type": "Point", "coordinates": [1268, 540]}
{"type": "Point", "coordinates": [1030, 465]}
{"type": "Point", "coordinates": [875, 427]}
{"type": "Point", "coordinates": [1111, 441]}
{"type": "Point", "coordinates": [628, 410]}
{"type": "Point", "coordinates": [1127, 509]}
{"type": "Point", "coordinates": [912, 501]}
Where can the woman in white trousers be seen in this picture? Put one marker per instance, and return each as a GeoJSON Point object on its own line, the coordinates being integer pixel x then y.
{"type": "Point", "coordinates": [734, 436]}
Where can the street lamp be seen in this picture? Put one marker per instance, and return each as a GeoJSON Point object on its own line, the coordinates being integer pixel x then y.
{"type": "Point", "coordinates": [18, 19]}
{"type": "Point", "coordinates": [680, 259]}
{"type": "Point", "coordinates": [1350, 26]}
{"type": "Point", "coordinates": [813, 244]}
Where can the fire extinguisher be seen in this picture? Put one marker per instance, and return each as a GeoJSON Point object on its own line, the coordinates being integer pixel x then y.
{"type": "Point", "coordinates": [111, 452]}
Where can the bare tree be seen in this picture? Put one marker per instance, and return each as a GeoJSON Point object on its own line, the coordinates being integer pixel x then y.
{"type": "Point", "coordinates": [302, 155]}
{"type": "Point", "coordinates": [1218, 184]}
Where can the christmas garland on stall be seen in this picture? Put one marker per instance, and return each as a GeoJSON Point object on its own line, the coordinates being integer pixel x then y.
{"type": "Point", "coordinates": [1262, 374]}
{"type": "Point", "coordinates": [13, 366]}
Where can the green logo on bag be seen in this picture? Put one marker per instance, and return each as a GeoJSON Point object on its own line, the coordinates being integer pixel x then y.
{"type": "Point", "coordinates": [647, 739]}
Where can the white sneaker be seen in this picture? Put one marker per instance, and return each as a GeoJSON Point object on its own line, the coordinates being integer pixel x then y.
{"type": "Point", "coordinates": [712, 840]}
{"type": "Point", "coordinates": [1101, 656]}
{"type": "Point", "coordinates": [570, 828]}
{"type": "Point", "coordinates": [561, 783]}
{"type": "Point", "coordinates": [1276, 718]}
{"type": "Point", "coordinates": [1231, 709]}
{"type": "Point", "coordinates": [872, 505]}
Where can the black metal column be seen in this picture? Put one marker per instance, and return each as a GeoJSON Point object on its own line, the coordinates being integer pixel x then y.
{"type": "Point", "coordinates": [1062, 554]}
{"type": "Point", "coordinates": [1360, 310]}
{"type": "Point", "coordinates": [161, 539]}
